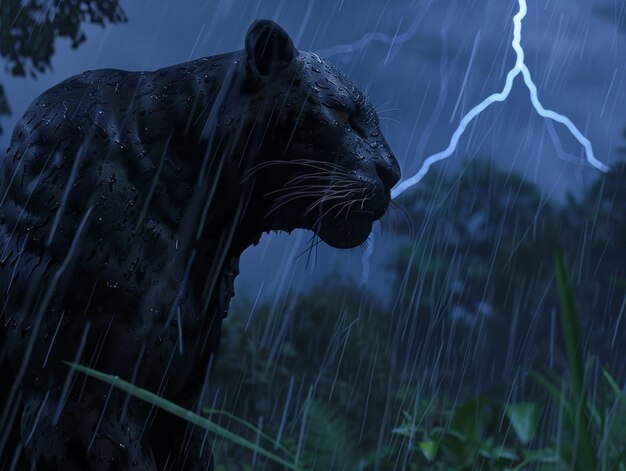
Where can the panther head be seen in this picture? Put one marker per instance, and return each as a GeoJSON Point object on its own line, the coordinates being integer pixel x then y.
{"type": "Point", "coordinates": [323, 163]}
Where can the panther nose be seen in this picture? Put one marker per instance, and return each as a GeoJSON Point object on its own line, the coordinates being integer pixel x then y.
{"type": "Point", "coordinates": [388, 171]}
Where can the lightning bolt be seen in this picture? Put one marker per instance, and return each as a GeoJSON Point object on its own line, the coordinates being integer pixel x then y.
{"type": "Point", "coordinates": [377, 36]}
{"type": "Point", "coordinates": [519, 68]}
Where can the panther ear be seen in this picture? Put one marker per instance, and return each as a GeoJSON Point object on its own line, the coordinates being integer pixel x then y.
{"type": "Point", "coordinates": [268, 49]}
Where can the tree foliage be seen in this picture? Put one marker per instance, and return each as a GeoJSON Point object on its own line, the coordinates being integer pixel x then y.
{"type": "Point", "coordinates": [29, 29]}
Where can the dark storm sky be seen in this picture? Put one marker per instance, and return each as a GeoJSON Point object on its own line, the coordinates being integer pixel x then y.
{"type": "Point", "coordinates": [575, 50]}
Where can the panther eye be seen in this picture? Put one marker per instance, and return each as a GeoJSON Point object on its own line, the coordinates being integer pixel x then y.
{"type": "Point", "coordinates": [342, 115]}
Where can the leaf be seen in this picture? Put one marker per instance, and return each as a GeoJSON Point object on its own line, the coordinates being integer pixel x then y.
{"type": "Point", "coordinates": [406, 430]}
{"type": "Point", "coordinates": [616, 389]}
{"type": "Point", "coordinates": [498, 452]}
{"type": "Point", "coordinates": [429, 449]}
{"type": "Point", "coordinates": [524, 418]}
{"type": "Point", "coordinates": [555, 392]}
{"type": "Point", "coordinates": [543, 456]}
{"type": "Point", "coordinates": [468, 419]}
{"type": "Point", "coordinates": [329, 443]}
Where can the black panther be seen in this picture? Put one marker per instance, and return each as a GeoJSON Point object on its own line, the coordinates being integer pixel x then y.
{"type": "Point", "coordinates": [127, 199]}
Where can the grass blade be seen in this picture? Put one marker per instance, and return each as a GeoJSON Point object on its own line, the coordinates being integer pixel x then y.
{"type": "Point", "coordinates": [181, 412]}
{"type": "Point", "coordinates": [571, 327]}
{"type": "Point", "coordinates": [585, 456]}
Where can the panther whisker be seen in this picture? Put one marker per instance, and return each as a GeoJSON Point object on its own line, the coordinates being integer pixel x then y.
{"type": "Point", "coordinates": [387, 110]}
{"type": "Point", "coordinates": [334, 194]}
{"type": "Point", "coordinates": [318, 202]}
{"type": "Point", "coordinates": [377, 107]}
{"type": "Point", "coordinates": [314, 193]}
{"type": "Point", "coordinates": [332, 207]}
{"type": "Point", "coordinates": [313, 186]}
{"type": "Point", "coordinates": [297, 195]}
{"type": "Point", "coordinates": [388, 119]}
{"type": "Point", "coordinates": [347, 205]}
{"type": "Point", "coordinates": [332, 185]}
{"type": "Point", "coordinates": [314, 241]}
{"type": "Point", "coordinates": [319, 176]}
{"type": "Point", "coordinates": [404, 213]}
{"type": "Point", "coordinates": [289, 199]}
{"type": "Point", "coordinates": [319, 165]}
{"type": "Point", "coordinates": [363, 190]}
